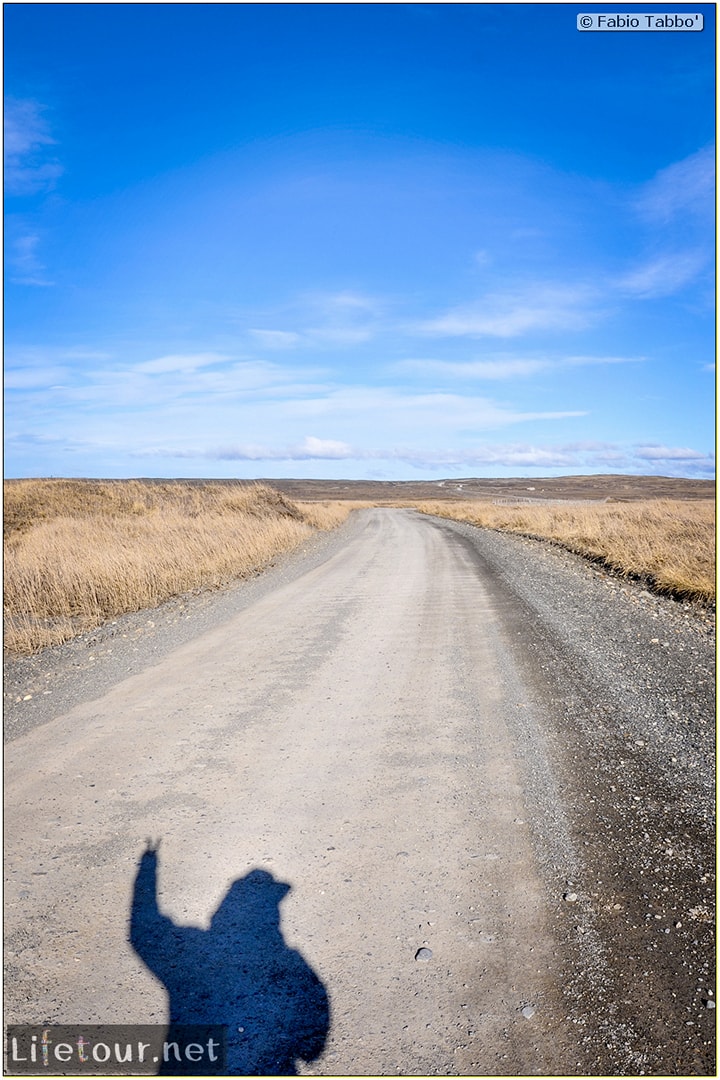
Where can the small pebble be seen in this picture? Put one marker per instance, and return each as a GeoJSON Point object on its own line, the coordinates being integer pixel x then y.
{"type": "Point", "coordinates": [570, 897]}
{"type": "Point", "coordinates": [423, 954]}
{"type": "Point", "coordinates": [709, 1004]}
{"type": "Point", "coordinates": [528, 1012]}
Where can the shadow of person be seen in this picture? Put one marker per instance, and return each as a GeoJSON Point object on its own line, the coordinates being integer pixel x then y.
{"type": "Point", "coordinates": [239, 972]}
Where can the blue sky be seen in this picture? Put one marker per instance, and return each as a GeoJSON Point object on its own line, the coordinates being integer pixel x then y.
{"type": "Point", "coordinates": [391, 241]}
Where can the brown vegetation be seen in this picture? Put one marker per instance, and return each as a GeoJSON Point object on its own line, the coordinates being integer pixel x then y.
{"type": "Point", "coordinates": [513, 489]}
{"type": "Point", "coordinates": [669, 543]}
{"type": "Point", "coordinates": [79, 552]}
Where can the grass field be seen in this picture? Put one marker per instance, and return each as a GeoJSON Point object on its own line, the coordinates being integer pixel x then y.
{"type": "Point", "coordinates": [669, 543]}
{"type": "Point", "coordinates": [80, 552]}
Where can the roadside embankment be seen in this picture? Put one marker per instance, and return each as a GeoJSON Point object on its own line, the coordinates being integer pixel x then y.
{"type": "Point", "coordinates": [669, 544]}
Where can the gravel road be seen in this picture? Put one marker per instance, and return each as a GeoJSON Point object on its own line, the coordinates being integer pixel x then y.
{"type": "Point", "coordinates": [429, 799]}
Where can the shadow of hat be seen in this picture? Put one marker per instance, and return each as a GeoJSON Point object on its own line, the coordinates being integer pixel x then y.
{"type": "Point", "coordinates": [251, 899]}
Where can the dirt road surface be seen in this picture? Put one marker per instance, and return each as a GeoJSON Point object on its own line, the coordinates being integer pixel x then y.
{"type": "Point", "coordinates": [470, 775]}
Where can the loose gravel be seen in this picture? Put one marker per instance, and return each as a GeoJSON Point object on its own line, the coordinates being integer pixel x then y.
{"type": "Point", "coordinates": [623, 688]}
{"type": "Point", "coordinates": [627, 679]}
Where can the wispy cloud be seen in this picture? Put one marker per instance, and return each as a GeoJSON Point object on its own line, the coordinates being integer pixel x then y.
{"type": "Point", "coordinates": [345, 301]}
{"type": "Point", "coordinates": [322, 320]}
{"type": "Point", "coordinates": [46, 377]}
{"type": "Point", "coordinates": [683, 189]}
{"type": "Point", "coordinates": [46, 369]}
{"type": "Point", "coordinates": [511, 314]}
{"type": "Point", "coordinates": [664, 276]}
{"type": "Point", "coordinates": [510, 368]}
{"type": "Point", "coordinates": [185, 362]}
{"type": "Point", "coordinates": [312, 337]}
{"type": "Point", "coordinates": [677, 207]}
{"type": "Point", "coordinates": [29, 165]}
{"type": "Point", "coordinates": [202, 380]}
{"type": "Point", "coordinates": [399, 410]}
{"type": "Point", "coordinates": [23, 261]}
{"type": "Point", "coordinates": [277, 339]}
{"type": "Point", "coordinates": [501, 368]}
{"type": "Point", "coordinates": [30, 169]}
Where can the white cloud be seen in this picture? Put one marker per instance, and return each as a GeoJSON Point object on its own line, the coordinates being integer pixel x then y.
{"type": "Point", "coordinates": [508, 367]}
{"type": "Point", "coordinates": [508, 455]}
{"type": "Point", "coordinates": [43, 369]}
{"type": "Point", "coordinates": [668, 453]}
{"type": "Point", "coordinates": [323, 320]}
{"type": "Point", "coordinates": [277, 339]}
{"type": "Point", "coordinates": [201, 380]}
{"type": "Point", "coordinates": [309, 449]}
{"type": "Point", "coordinates": [28, 169]}
{"type": "Point", "coordinates": [564, 457]}
{"type": "Point", "coordinates": [312, 336]}
{"type": "Point", "coordinates": [347, 301]}
{"type": "Point", "coordinates": [23, 261]}
{"type": "Point", "coordinates": [33, 378]}
{"type": "Point", "coordinates": [475, 369]}
{"type": "Point", "coordinates": [685, 188]}
{"type": "Point", "coordinates": [511, 314]}
{"type": "Point", "coordinates": [402, 411]}
{"type": "Point", "coordinates": [324, 448]}
{"type": "Point", "coordinates": [678, 205]}
{"type": "Point", "coordinates": [187, 362]}
{"type": "Point", "coordinates": [663, 276]}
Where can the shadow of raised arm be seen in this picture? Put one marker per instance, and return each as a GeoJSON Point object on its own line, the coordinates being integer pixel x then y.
{"type": "Point", "coordinates": [239, 972]}
{"type": "Point", "coordinates": [151, 932]}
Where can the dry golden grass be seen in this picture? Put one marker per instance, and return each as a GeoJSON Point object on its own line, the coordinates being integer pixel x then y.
{"type": "Point", "coordinates": [668, 543]}
{"type": "Point", "coordinates": [80, 552]}
{"type": "Point", "coordinates": [328, 513]}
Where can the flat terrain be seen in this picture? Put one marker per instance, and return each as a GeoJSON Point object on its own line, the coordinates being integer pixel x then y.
{"type": "Point", "coordinates": [514, 488]}
{"type": "Point", "coordinates": [483, 767]}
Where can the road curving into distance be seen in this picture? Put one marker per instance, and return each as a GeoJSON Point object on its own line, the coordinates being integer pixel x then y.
{"type": "Point", "coordinates": [483, 767]}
